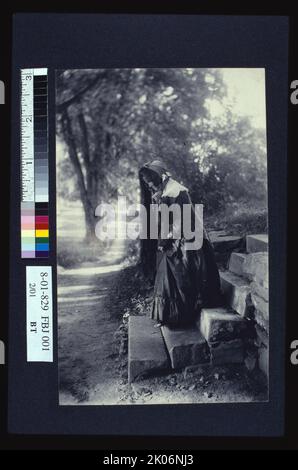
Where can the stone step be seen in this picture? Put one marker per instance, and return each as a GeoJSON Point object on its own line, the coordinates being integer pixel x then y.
{"type": "Point", "coordinates": [225, 245]}
{"type": "Point", "coordinates": [236, 292]}
{"type": "Point", "coordinates": [146, 349]}
{"type": "Point", "coordinates": [224, 331]}
{"type": "Point", "coordinates": [227, 352]}
{"type": "Point", "coordinates": [186, 346]}
{"type": "Point", "coordinates": [260, 291]}
{"type": "Point", "coordinates": [221, 324]}
{"type": "Point", "coordinates": [216, 234]}
{"type": "Point", "coordinates": [255, 268]}
{"type": "Point", "coordinates": [261, 312]}
{"type": "Point", "coordinates": [224, 240]}
{"type": "Point", "coordinates": [236, 263]}
{"type": "Point", "coordinates": [262, 340]}
{"type": "Point", "coordinates": [256, 243]}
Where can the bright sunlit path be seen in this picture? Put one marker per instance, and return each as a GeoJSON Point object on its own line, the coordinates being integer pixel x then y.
{"type": "Point", "coordinates": [91, 270]}
{"type": "Point", "coordinates": [72, 289]}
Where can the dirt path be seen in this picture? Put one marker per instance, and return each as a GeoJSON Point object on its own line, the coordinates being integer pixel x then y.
{"type": "Point", "coordinates": [86, 358]}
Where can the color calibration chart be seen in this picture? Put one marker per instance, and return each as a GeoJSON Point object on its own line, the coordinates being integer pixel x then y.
{"type": "Point", "coordinates": [34, 164]}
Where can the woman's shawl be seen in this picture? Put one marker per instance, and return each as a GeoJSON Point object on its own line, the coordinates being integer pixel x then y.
{"type": "Point", "coordinates": [175, 193]}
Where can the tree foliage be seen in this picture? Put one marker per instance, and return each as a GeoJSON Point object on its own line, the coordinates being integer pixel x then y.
{"type": "Point", "coordinates": [111, 121]}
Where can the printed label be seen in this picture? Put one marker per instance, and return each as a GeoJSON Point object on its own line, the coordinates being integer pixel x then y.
{"type": "Point", "coordinates": [39, 310]}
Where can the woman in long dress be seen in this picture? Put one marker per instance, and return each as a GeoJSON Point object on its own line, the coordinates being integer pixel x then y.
{"type": "Point", "coordinates": [186, 279]}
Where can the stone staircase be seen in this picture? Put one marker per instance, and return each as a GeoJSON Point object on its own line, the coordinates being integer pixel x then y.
{"type": "Point", "coordinates": [235, 334]}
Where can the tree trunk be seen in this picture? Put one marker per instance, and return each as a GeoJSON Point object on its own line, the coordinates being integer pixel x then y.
{"type": "Point", "coordinates": [73, 155]}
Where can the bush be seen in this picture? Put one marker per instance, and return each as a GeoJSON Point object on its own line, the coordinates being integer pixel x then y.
{"type": "Point", "coordinates": [239, 219]}
{"type": "Point", "coordinates": [132, 253]}
{"type": "Point", "coordinates": [72, 253]}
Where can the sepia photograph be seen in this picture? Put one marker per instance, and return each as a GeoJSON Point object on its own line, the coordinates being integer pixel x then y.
{"type": "Point", "coordinates": [162, 236]}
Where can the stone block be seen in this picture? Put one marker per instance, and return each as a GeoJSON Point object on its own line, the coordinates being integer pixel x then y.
{"type": "Point", "coordinates": [227, 352]}
{"type": "Point", "coordinates": [255, 268]}
{"type": "Point", "coordinates": [262, 337]}
{"type": "Point", "coordinates": [236, 262]}
{"type": "Point", "coordinates": [260, 290]}
{"type": "Point", "coordinates": [220, 324]}
{"type": "Point", "coordinates": [262, 343]}
{"type": "Point", "coordinates": [225, 245]}
{"type": "Point", "coordinates": [261, 312]}
{"type": "Point", "coordinates": [186, 346]}
{"type": "Point", "coordinates": [146, 348]}
{"type": "Point", "coordinates": [263, 360]}
{"type": "Point", "coordinates": [236, 292]}
{"type": "Point", "coordinates": [256, 243]}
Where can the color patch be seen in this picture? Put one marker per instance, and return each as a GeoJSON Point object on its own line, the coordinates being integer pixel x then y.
{"type": "Point", "coordinates": [41, 233]}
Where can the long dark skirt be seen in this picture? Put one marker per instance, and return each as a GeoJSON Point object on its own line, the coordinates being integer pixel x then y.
{"type": "Point", "coordinates": [185, 281]}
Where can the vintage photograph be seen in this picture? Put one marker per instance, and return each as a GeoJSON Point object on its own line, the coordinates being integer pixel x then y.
{"type": "Point", "coordinates": [162, 236]}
